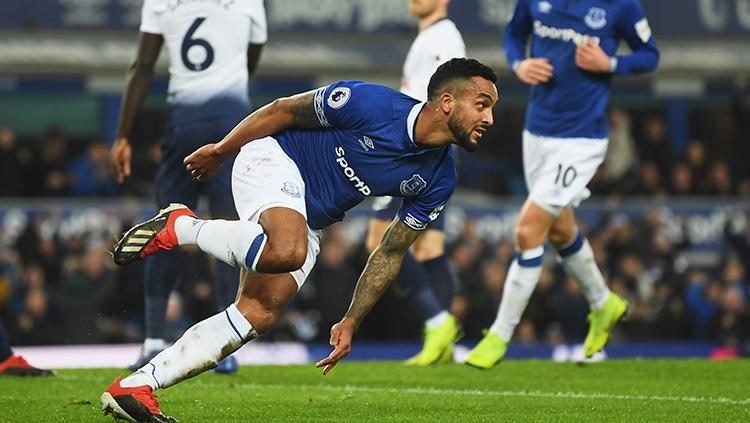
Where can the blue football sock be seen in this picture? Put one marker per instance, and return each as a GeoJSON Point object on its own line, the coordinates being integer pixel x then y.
{"type": "Point", "coordinates": [414, 281]}
{"type": "Point", "coordinates": [443, 280]}
{"type": "Point", "coordinates": [227, 282]}
{"type": "Point", "coordinates": [160, 277]}
{"type": "Point", "coordinates": [5, 351]}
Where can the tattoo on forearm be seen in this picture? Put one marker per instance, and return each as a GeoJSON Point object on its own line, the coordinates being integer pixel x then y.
{"type": "Point", "coordinates": [303, 110]}
{"type": "Point", "coordinates": [381, 269]}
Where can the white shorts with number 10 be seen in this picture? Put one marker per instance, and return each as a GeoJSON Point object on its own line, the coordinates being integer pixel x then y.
{"type": "Point", "coordinates": [557, 170]}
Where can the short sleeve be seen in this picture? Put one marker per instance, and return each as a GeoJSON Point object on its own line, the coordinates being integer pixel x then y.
{"type": "Point", "coordinates": [353, 105]}
{"type": "Point", "coordinates": [418, 211]}
{"type": "Point", "coordinates": [258, 27]}
{"type": "Point", "coordinates": [150, 17]}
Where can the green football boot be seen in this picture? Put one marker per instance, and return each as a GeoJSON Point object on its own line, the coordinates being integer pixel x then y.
{"type": "Point", "coordinates": [438, 344]}
{"type": "Point", "coordinates": [488, 352]}
{"type": "Point", "coordinates": [601, 323]}
{"type": "Point", "coordinates": [447, 356]}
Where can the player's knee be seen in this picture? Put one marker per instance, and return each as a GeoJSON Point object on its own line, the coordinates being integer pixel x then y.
{"type": "Point", "coordinates": [283, 257]}
{"type": "Point", "coordinates": [561, 236]}
{"type": "Point", "coordinates": [528, 236]}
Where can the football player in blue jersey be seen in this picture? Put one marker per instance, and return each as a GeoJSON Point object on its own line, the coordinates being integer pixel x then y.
{"type": "Point", "coordinates": [573, 59]}
{"type": "Point", "coordinates": [213, 49]}
{"type": "Point", "coordinates": [301, 163]}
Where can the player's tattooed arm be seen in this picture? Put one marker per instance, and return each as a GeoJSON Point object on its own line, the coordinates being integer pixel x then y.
{"type": "Point", "coordinates": [282, 113]}
{"type": "Point", "coordinates": [297, 110]}
{"type": "Point", "coordinates": [381, 269]}
{"type": "Point", "coordinates": [303, 110]}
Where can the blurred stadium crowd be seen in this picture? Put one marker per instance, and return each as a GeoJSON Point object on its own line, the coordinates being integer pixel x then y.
{"type": "Point", "coordinates": [58, 285]}
{"type": "Point", "coordinates": [641, 161]}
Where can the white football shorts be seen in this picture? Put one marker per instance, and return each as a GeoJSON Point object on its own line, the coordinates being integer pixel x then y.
{"type": "Point", "coordinates": [263, 177]}
{"type": "Point", "coordinates": [557, 170]}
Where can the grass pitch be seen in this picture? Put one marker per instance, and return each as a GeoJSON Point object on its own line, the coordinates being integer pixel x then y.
{"type": "Point", "coordinates": [515, 391]}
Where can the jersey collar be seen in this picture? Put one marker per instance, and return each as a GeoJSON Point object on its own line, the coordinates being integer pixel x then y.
{"type": "Point", "coordinates": [444, 18]}
{"type": "Point", "coordinates": [411, 121]}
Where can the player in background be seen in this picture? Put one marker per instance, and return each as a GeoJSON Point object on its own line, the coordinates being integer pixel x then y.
{"type": "Point", "coordinates": [213, 49]}
{"type": "Point", "coordinates": [15, 365]}
{"type": "Point", "coordinates": [573, 59]}
{"type": "Point", "coordinates": [303, 162]}
{"type": "Point", "coordinates": [426, 277]}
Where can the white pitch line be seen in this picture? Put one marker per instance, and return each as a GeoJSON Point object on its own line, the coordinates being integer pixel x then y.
{"type": "Point", "coordinates": [471, 392]}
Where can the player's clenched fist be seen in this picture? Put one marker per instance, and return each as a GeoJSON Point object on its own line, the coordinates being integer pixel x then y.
{"type": "Point", "coordinates": [590, 57]}
{"type": "Point", "coordinates": [535, 70]}
{"type": "Point", "coordinates": [204, 162]}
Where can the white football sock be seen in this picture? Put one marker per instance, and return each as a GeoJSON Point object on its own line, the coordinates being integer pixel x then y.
{"type": "Point", "coordinates": [520, 282]}
{"type": "Point", "coordinates": [201, 348]}
{"type": "Point", "coordinates": [238, 243]}
{"type": "Point", "coordinates": [436, 320]}
{"type": "Point", "coordinates": [578, 260]}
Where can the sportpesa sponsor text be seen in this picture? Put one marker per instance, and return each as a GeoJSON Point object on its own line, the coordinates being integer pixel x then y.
{"type": "Point", "coordinates": [564, 34]}
{"type": "Point", "coordinates": [349, 172]}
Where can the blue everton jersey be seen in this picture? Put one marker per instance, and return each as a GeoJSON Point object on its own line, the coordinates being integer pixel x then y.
{"type": "Point", "coordinates": [573, 102]}
{"type": "Point", "coordinates": [366, 148]}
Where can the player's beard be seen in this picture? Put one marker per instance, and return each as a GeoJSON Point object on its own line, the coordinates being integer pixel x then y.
{"type": "Point", "coordinates": [462, 136]}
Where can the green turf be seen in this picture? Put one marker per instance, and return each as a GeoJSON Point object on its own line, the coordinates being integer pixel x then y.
{"type": "Point", "coordinates": [542, 391]}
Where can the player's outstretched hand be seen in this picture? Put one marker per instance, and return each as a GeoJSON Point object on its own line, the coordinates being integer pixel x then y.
{"type": "Point", "coordinates": [204, 162]}
{"type": "Point", "coordinates": [590, 57]}
{"type": "Point", "coordinates": [341, 341]}
{"type": "Point", "coordinates": [120, 157]}
{"type": "Point", "coordinates": [535, 70]}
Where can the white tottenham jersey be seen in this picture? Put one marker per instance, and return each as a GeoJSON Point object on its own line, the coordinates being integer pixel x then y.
{"type": "Point", "coordinates": [207, 42]}
{"type": "Point", "coordinates": [434, 46]}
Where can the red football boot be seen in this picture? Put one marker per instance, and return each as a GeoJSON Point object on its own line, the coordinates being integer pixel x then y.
{"type": "Point", "coordinates": [137, 404]}
{"type": "Point", "coordinates": [146, 238]}
{"type": "Point", "coordinates": [15, 365]}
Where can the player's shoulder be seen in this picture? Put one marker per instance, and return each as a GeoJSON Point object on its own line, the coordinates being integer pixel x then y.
{"type": "Point", "coordinates": [365, 94]}
{"type": "Point", "coordinates": [248, 7]}
{"type": "Point", "coordinates": [369, 103]}
{"type": "Point", "coordinates": [156, 6]}
{"type": "Point", "coordinates": [444, 28]}
{"type": "Point", "coordinates": [618, 4]}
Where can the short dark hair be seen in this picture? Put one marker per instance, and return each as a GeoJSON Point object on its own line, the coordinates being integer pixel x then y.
{"type": "Point", "coordinates": [458, 68]}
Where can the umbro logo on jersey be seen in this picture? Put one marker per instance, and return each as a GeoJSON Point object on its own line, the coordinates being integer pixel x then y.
{"type": "Point", "coordinates": [414, 223]}
{"type": "Point", "coordinates": [545, 7]}
{"type": "Point", "coordinates": [359, 184]}
{"type": "Point", "coordinates": [596, 18]}
{"type": "Point", "coordinates": [366, 143]}
{"type": "Point", "coordinates": [338, 97]}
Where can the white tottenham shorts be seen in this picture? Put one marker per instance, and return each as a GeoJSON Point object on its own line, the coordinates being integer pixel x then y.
{"type": "Point", "coordinates": [557, 170]}
{"type": "Point", "coordinates": [263, 177]}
